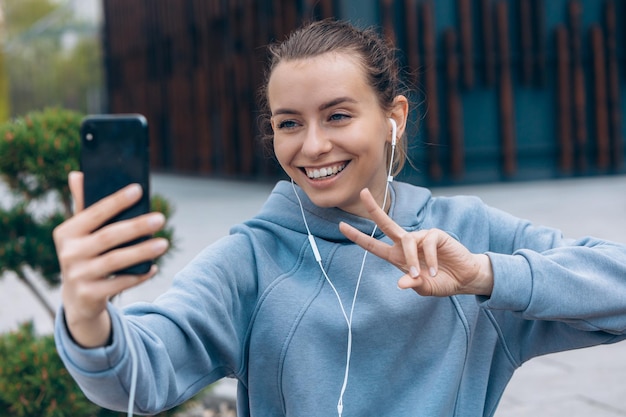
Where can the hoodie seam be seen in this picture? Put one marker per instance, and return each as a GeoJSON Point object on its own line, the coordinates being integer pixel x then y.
{"type": "Point", "coordinates": [296, 322]}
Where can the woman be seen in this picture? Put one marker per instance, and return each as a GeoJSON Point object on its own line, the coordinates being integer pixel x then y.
{"type": "Point", "coordinates": [302, 317]}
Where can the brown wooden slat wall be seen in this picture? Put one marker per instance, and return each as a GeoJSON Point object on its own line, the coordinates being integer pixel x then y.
{"type": "Point", "coordinates": [193, 68]}
{"type": "Point", "coordinates": [585, 75]}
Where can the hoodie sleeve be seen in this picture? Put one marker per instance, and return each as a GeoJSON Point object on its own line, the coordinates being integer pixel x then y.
{"type": "Point", "coordinates": [573, 291]}
{"type": "Point", "coordinates": [191, 336]}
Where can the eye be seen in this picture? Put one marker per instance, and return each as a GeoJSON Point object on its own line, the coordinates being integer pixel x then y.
{"type": "Point", "coordinates": [287, 124]}
{"type": "Point", "coordinates": [336, 117]}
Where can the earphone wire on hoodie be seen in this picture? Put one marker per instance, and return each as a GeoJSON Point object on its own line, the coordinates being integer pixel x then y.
{"type": "Point", "coordinates": [318, 259]}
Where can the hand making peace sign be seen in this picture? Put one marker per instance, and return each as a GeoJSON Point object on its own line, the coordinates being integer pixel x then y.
{"type": "Point", "coordinates": [434, 263]}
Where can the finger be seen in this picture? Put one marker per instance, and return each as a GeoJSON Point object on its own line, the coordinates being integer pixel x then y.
{"type": "Point", "coordinates": [419, 285]}
{"type": "Point", "coordinates": [429, 248]}
{"type": "Point", "coordinates": [378, 215]}
{"type": "Point", "coordinates": [408, 281]}
{"type": "Point", "coordinates": [111, 236]}
{"type": "Point", "coordinates": [118, 233]}
{"type": "Point", "coordinates": [378, 248]}
{"type": "Point", "coordinates": [411, 253]}
{"type": "Point", "coordinates": [75, 182]}
{"type": "Point", "coordinates": [94, 216]}
{"type": "Point", "coordinates": [121, 258]}
{"type": "Point", "coordinates": [107, 288]}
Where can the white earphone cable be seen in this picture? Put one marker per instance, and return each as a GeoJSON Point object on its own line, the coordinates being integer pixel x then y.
{"type": "Point", "coordinates": [133, 357]}
{"type": "Point", "coordinates": [318, 259]}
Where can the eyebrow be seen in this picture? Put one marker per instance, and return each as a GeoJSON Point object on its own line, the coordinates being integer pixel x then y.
{"type": "Point", "coordinates": [324, 106]}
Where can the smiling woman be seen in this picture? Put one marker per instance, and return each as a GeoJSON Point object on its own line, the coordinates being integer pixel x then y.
{"type": "Point", "coordinates": [291, 305]}
{"type": "Point", "coordinates": [336, 142]}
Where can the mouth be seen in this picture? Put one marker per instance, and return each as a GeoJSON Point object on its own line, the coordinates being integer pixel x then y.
{"type": "Point", "coordinates": [324, 172]}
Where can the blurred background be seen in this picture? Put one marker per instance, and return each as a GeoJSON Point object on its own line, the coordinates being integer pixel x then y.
{"type": "Point", "coordinates": [503, 89]}
{"type": "Point", "coordinates": [51, 56]}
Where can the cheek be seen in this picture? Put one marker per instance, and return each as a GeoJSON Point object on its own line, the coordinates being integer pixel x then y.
{"type": "Point", "coordinates": [283, 150]}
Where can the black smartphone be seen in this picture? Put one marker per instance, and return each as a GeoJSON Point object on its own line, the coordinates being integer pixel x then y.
{"type": "Point", "coordinates": [115, 152]}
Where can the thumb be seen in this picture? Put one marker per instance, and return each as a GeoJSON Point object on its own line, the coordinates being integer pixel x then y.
{"type": "Point", "coordinates": [75, 182]}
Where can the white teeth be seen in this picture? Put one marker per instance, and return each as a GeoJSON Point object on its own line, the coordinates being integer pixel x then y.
{"type": "Point", "coordinates": [324, 172]}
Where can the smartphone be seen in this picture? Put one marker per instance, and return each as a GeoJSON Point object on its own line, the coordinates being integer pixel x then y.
{"type": "Point", "coordinates": [114, 153]}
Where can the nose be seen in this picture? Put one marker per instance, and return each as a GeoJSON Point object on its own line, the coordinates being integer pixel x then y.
{"type": "Point", "coordinates": [317, 142]}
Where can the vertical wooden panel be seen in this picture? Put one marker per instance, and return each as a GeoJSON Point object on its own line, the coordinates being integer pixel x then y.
{"type": "Point", "coordinates": [578, 85]}
{"type": "Point", "coordinates": [564, 101]}
{"type": "Point", "coordinates": [411, 39]}
{"type": "Point", "coordinates": [386, 12]}
{"type": "Point", "coordinates": [244, 39]}
{"type": "Point", "coordinates": [601, 113]}
{"type": "Point", "coordinates": [200, 18]}
{"type": "Point", "coordinates": [505, 92]}
{"type": "Point", "coordinates": [429, 37]}
{"type": "Point", "coordinates": [526, 41]}
{"type": "Point", "coordinates": [614, 93]}
{"type": "Point", "coordinates": [488, 42]}
{"type": "Point", "coordinates": [329, 8]}
{"type": "Point", "coordinates": [540, 43]}
{"type": "Point", "coordinates": [467, 42]}
{"type": "Point", "coordinates": [455, 108]}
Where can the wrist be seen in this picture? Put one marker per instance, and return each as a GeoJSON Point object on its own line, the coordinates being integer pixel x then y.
{"type": "Point", "coordinates": [90, 333]}
{"type": "Point", "coordinates": [483, 284]}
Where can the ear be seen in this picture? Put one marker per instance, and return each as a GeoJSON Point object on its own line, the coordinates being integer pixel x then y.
{"type": "Point", "coordinates": [272, 125]}
{"type": "Point", "coordinates": [399, 112]}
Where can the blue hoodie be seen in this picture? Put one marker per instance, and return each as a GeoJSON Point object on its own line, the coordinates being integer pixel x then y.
{"type": "Point", "coordinates": [255, 306]}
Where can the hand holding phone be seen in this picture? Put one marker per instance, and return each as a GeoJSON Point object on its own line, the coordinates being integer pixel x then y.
{"type": "Point", "coordinates": [84, 251]}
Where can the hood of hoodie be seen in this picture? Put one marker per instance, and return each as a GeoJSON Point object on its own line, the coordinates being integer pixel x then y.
{"type": "Point", "coordinates": [282, 208]}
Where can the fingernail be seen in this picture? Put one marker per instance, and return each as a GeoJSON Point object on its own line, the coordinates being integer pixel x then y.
{"type": "Point", "coordinates": [432, 271]}
{"type": "Point", "coordinates": [414, 272]}
{"type": "Point", "coordinates": [160, 245]}
{"type": "Point", "coordinates": [133, 191]}
{"type": "Point", "coordinates": [157, 220]}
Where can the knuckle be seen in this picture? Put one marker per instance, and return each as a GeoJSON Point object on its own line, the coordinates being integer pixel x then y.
{"type": "Point", "coordinates": [83, 292]}
{"type": "Point", "coordinates": [66, 255]}
{"type": "Point", "coordinates": [73, 273]}
{"type": "Point", "coordinates": [108, 236]}
{"type": "Point", "coordinates": [57, 233]}
{"type": "Point", "coordinates": [407, 237]}
{"type": "Point", "coordinates": [432, 235]}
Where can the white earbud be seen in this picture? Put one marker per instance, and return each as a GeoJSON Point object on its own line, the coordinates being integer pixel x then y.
{"type": "Point", "coordinates": [394, 131]}
{"type": "Point", "coordinates": [394, 134]}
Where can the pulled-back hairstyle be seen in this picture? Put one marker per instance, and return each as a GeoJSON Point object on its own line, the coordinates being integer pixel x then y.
{"type": "Point", "coordinates": [377, 58]}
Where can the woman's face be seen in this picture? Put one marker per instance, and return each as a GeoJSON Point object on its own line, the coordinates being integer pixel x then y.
{"type": "Point", "coordinates": [330, 132]}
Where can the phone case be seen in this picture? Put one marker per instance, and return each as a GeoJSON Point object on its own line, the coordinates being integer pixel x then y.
{"type": "Point", "coordinates": [115, 153]}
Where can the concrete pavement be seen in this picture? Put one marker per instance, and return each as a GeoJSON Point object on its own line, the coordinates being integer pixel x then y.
{"type": "Point", "coordinates": [583, 383]}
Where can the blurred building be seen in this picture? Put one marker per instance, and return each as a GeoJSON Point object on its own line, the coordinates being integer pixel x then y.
{"type": "Point", "coordinates": [505, 89]}
{"type": "Point", "coordinates": [51, 56]}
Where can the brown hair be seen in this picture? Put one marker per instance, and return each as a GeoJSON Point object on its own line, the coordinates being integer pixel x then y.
{"type": "Point", "coordinates": [377, 58]}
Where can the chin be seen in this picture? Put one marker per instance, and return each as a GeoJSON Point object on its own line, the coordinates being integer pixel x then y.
{"type": "Point", "coordinates": [326, 201]}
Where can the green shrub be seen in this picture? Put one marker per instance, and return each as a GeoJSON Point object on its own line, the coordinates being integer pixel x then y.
{"type": "Point", "coordinates": [37, 151]}
{"type": "Point", "coordinates": [34, 382]}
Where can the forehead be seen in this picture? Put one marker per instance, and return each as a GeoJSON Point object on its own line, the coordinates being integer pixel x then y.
{"type": "Point", "coordinates": [317, 78]}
